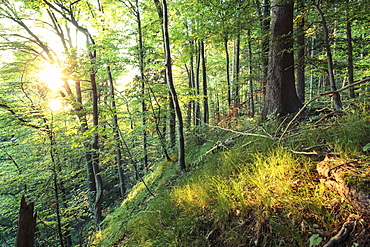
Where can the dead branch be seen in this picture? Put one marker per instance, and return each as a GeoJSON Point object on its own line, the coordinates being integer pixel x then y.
{"type": "Point", "coordinates": [317, 97]}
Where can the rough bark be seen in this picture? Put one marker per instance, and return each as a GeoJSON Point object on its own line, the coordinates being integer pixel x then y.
{"type": "Point", "coordinates": [281, 96]}
{"type": "Point", "coordinates": [333, 172]}
{"type": "Point", "coordinates": [26, 224]}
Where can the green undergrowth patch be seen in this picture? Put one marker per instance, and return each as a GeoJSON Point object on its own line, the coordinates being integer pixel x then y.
{"type": "Point", "coordinates": [258, 191]}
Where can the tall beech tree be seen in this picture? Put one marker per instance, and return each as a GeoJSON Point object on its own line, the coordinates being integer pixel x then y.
{"type": "Point", "coordinates": [281, 96]}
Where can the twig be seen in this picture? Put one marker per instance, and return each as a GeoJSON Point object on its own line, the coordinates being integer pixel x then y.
{"type": "Point", "coordinates": [317, 97]}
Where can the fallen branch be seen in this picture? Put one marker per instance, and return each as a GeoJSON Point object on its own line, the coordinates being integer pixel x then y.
{"type": "Point", "coordinates": [333, 171]}
{"type": "Point", "coordinates": [341, 235]}
{"type": "Point", "coordinates": [317, 97]}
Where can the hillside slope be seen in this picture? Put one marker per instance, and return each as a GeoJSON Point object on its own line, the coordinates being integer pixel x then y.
{"type": "Point", "coordinates": [257, 186]}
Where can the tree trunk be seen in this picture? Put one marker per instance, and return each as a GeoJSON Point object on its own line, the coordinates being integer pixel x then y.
{"type": "Point", "coordinates": [204, 84]}
{"type": "Point", "coordinates": [250, 72]}
{"type": "Point", "coordinates": [227, 63]}
{"type": "Point", "coordinates": [171, 86]}
{"type": "Point", "coordinates": [142, 79]}
{"type": "Point", "coordinates": [350, 55]}
{"type": "Point", "coordinates": [236, 72]}
{"type": "Point", "coordinates": [333, 87]}
{"type": "Point", "coordinates": [116, 136]}
{"type": "Point", "coordinates": [196, 85]}
{"type": "Point", "coordinates": [26, 224]}
{"type": "Point", "coordinates": [281, 97]}
{"type": "Point", "coordinates": [301, 52]}
{"type": "Point", "coordinates": [95, 153]}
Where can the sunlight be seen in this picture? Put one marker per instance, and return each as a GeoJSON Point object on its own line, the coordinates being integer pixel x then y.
{"type": "Point", "coordinates": [55, 105]}
{"type": "Point", "coordinates": [52, 76]}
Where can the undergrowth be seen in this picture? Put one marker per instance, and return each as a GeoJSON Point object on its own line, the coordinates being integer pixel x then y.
{"type": "Point", "coordinates": [259, 191]}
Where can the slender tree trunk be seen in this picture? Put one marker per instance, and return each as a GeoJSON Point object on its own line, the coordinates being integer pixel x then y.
{"type": "Point", "coordinates": [250, 72]}
{"type": "Point", "coordinates": [226, 41]}
{"type": "Point", "coordinates": [204, 84]}
{"type": "Point", "coordinates": [301, 52]}
{"type": "Point", "coordinates": [265, 27]}
{"type": "Point", "coordinates": [172, 121]}
{"type": "Point", "coordinates": [116, 135]}
{"type": "Point", "coordinates": [196, 86]}
{"type": "Point", "coordinates": [350, 55]}
{"type": "Point", "coordinates": [142, 79]}
{"type": "Point", "coordinates": [236, 72]}
{"type": "Point", "coordinates": [333, 87]}
{"type": "Point", "coordinates": [171, 86]}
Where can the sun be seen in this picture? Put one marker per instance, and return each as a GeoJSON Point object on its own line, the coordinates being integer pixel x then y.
{"type": "Point", "coordinates": [52, 76]}
{"type": "Point", "coordinates": [55, 105]}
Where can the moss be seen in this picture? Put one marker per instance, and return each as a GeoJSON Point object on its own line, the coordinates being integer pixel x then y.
{"type": "Point", "coordinates": [361, 182]}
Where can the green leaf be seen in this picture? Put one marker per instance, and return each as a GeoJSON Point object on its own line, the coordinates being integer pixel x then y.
{"type": "Point", "coordinates": [315, 240]}
{"type": "Point", "coordinates": [366, 147]}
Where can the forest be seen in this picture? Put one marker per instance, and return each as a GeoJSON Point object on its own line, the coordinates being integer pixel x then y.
{"type": "Point", "coordinates": [184, 123]}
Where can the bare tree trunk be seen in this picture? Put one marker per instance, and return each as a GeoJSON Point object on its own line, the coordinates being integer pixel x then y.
{"type": "Point", "coordinates": [350, 55]}
{"type": "Point", "coordinates": [333, 87]}
{"type": "Point", "coordinates": [26, 224]}
{"type": "Point", "coordinates": [116, 136]}
{"type": "Point", "coordinates": [204, 84]}
{"type": "Point", "coordinates": [281, 97]}
{"type": "Point", "coordinates": [250, 72]}
{"type": "Point", "coordinates": [236, 72]}
{"type": "Point", "coordinates": [227, 63]}
{"type": "Point", "coordinates": [301, 52]}
{"type": "Point", "coordinates": [171, 86]}
{"type": "Point", "coordinates": [196, 86]}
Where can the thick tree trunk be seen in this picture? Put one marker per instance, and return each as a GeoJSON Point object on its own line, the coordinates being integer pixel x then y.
{"type": "Point", "coordinates": [180, 128]}
{"type": "Point", "coordinates": [26, 224]}
{"type": "Point", "coordinates": [281, 97]}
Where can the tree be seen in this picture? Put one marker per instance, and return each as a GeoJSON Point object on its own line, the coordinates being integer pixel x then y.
{"type": "Point", "coordinates": [281, 97]}
{"type": "Point", "coordinates": [180, 128]}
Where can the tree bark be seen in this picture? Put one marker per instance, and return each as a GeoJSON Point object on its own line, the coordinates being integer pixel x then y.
{"type": "Point", "coordinates": [204, 84]}
{"type": "Point", "coordinates": [26, 224]}
{"type": "Point", "coordinates": [350, 55]}
{"type": "Point", "coordinates": [300, 54]}
{"type": "Point", "coordinates": [116, 136]}
{"type": "Point", "coordinates": [180, 131]}
{"type": "Point", "coordinates": [281, 97]}
{"type": "Point", "coordinates": [333, 87]}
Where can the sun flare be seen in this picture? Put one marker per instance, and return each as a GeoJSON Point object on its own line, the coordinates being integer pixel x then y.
{"type": "Point", "coordinates": [52, 76]}
{"type": "Point", "coordinates": [55, 105]}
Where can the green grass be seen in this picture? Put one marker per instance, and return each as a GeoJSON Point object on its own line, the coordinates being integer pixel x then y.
{"type": "Point", "coordinates": [256, 191]}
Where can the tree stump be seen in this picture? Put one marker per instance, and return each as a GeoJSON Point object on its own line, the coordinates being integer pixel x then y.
{"type": "Point", "coordinates": [26, 224]}
{"type": "Point", "coordinates": [336, 175]}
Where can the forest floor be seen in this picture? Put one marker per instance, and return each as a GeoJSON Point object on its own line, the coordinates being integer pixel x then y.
{"type": "Point", "coordinates": [255, 185]}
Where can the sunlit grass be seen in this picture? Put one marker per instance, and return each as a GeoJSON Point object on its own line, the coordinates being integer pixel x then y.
{"type": "Point", "coordinates": [255, 192]}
